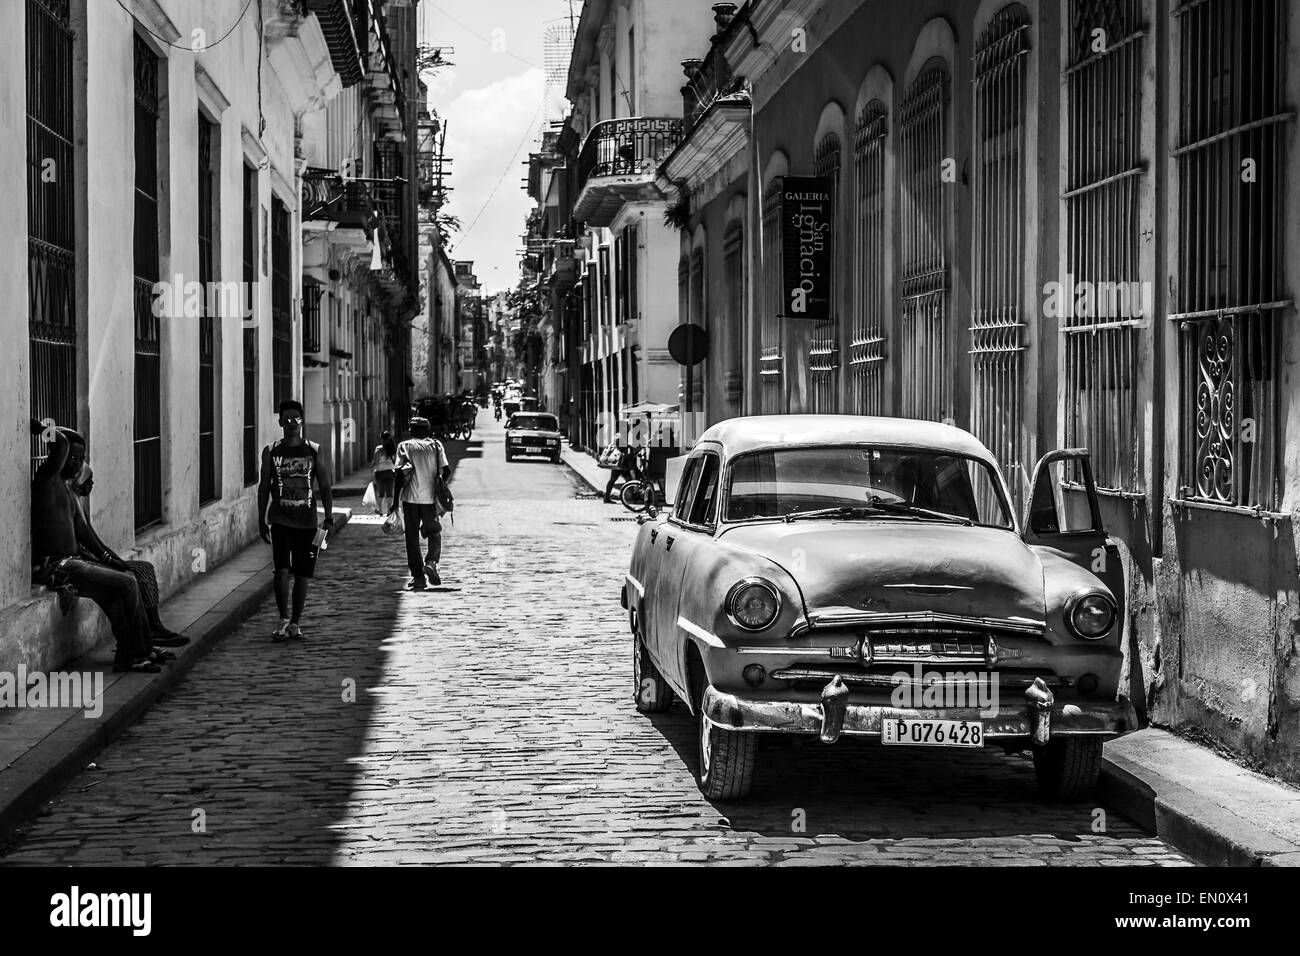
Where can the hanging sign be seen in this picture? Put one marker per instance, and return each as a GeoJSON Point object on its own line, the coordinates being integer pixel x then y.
{"type": "Point", "coordinates": [807, 223]}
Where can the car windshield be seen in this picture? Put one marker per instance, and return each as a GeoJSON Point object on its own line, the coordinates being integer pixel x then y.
{"type": "Point", "coordinates": [536, 423]}
{"type": "Point", "coordinates": [853, 481]}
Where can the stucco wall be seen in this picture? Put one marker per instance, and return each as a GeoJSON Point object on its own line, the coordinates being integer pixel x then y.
{"type": "Point", "coordinates": [191, 539]}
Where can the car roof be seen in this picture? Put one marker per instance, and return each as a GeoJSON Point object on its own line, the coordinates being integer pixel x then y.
{"type": "Point", "coordinates": [737, 435]}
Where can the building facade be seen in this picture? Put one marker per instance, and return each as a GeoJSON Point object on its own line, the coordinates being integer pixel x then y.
{"type": "Point", "coordinates": [160, 251]}
{"type": "Point", "coordinates": [1055, 223]}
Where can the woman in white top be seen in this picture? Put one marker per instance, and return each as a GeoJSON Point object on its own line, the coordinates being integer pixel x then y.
{"type": "Point", "coordinates": [382, 467]}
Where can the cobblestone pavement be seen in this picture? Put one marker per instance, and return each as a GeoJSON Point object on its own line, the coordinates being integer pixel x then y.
{"type": "Point", "coordinates": [493, 723]}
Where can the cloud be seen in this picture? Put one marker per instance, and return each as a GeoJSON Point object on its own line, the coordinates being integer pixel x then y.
{"type": "Point", "coordinates": [490, 131]}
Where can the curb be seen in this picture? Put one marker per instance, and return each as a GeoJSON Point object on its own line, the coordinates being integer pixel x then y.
{"type": "Point", "coordinates": [1188, 821]}
{"type": "Point", "coordinates": [41, 774]}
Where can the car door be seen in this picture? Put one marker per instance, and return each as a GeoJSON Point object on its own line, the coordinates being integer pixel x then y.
{"type": "Point", "coordinates": [692, 530]}
{"type": "Point", "coordinates": [1063, 514]}
{"type": "Point", "coordinates": [660, 584]}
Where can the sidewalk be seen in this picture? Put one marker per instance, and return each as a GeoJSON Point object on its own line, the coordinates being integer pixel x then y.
{"type": "Point", "coordinates": [585, 467]}
{"type": "Point", "coordinates": [41, 749]}
{"type": "Point", "coordinates": [1210, 808]}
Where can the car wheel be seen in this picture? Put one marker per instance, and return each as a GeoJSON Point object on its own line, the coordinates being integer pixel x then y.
{"type": "Point", "coordinates": [650, 690]}
{"type": "Point", "coordinates": [509, 457]}
{"type": "Point", "coordinates": [555, 459]}
{"type": "Point", "coordinates": [726, 756]}
{"type": "Point", "coordinates": [1067, 768]}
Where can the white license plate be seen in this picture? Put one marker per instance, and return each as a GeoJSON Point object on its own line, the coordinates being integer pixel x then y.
{"type": "Point", "coordinates": [932, 733]}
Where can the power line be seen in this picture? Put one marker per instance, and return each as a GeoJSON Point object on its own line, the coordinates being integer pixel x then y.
{"type": "Point", "coordinates": [488, 40]}
{"type": "Point", "coordinates": [180, 46]}
{"type": "Point", "coordinates": [505, 172]}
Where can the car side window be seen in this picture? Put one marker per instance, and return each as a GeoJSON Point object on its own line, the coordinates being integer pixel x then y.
{"type": "Point", "coordinates": [686, 489]}
{"type": "Point", "coordinates": [704, 500]}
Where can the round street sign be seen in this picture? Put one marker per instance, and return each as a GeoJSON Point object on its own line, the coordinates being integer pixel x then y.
{"type": "Point", "coordinates": [688, 344]}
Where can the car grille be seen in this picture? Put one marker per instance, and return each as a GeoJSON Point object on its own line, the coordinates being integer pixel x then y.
{"type": "Point", "coordinates": [876, 675]}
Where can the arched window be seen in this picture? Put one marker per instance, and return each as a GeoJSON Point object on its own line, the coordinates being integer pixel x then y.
{"type": "Point", "coordinates": [870, 280]}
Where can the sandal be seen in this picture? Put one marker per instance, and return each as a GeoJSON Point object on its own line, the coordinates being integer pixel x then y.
{"type": "Point", "coordinates": [141, 665]}
{"type": "Point", "coordinates": [161, 656]}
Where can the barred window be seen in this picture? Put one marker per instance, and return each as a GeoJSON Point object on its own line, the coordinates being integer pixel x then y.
{"type": "Point", "coordinates": [1103, 185]}
{"type": "Point", "coordinates": [51, 261]}
{"type": "Point", "coordinates": [998, 240]}
{"type": "Point", "coordinates": [1231, 186]}
{"type": "Point", "coordinates": [251, 456]}
{"type": "Point", "coordinates": [769, 357]}
{"type": "Point", "coordinates": [148, 394]}
{"type": "Point", "coordinates": [734, 286]}
{"type": "Point", "coordinates": [699, 317]}
{"type": "Point", "coordinates": [209, 386]}
{"type": "Point", "coordinates": [927, 351]}
{"type": "Point", "coordinates": [824, 351]}
{"type": "Point", "coordinates": [281, 305]}
{"type": "Point", "coordinates": [871, 281]}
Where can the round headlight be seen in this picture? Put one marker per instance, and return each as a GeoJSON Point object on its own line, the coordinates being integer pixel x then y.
{"type": "Point", "coordinates": [753, 604]}
{"type": "Point", "coordinates": [1091, 615]}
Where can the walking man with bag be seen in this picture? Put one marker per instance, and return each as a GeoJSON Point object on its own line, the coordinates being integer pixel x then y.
{"type": "Point", "coordinates": [286, 514]}
{"type": "Point", "coordinates": [421, 465]}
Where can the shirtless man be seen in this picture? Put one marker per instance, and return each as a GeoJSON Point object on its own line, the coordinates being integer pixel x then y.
{"type": "Point", "coordinates": [61, 555]}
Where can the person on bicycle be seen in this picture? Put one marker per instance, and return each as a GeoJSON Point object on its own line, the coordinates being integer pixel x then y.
{"type": "Point", "coordinates": [628, 468]}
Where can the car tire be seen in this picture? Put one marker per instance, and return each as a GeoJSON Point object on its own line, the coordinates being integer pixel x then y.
{"type": "Point", "coordinates": [649, 689]}
{"type": "Point", "coordinates": [726, 756]}
{"type": "Point", "coordinates": [509, 457]}
{"type": "Point", "coordinates": [1067, 768]}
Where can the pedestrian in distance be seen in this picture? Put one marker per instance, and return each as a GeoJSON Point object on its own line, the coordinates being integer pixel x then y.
{"type": "Point", "coordinates": [286, 514]}
{"type": "Point", "coordinates": [421, 464]}
{"type": "Point", "coordinates": [627, 468]}
{"type": "Point", "coordinates": [385, 459]}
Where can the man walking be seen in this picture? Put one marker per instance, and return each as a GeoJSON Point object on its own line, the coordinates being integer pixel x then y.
{"type": "Point", "coordinates": [421, 464]}
{"type": "Point", "coordinates": [286, 514]}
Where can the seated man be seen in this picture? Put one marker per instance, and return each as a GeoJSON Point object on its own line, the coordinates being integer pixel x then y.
{"type": "Point", "coordinates": [60, 558]}
{"type": "Point", "coordinates": [143, 572]}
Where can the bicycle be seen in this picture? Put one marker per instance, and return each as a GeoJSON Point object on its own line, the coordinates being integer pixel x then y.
{"type": "Point", "coordinates": [642, 493]}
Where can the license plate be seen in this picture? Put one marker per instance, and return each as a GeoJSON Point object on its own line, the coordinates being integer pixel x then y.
{"type": "Point", "coordinates": [932, 733]}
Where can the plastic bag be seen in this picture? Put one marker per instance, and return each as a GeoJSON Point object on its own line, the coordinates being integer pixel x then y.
{"type": "Point", "coordinates": [609, 457]}
{"type": "Point", "coordinates": [369, 500]}
{"type": "Point", "coordinates": [393, 523]}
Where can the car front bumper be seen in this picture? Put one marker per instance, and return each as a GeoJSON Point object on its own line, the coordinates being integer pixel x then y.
{"type": "Point", "coordinates": [1032, 720]}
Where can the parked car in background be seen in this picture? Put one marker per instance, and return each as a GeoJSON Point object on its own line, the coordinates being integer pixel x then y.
{"type": "Point", "coordinates": [832, 575]}
{"type": "Point", "coordinates": [533, 433]}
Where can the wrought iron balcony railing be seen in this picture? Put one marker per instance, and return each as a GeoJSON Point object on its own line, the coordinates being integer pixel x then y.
{"type": "Point", "coordinates": [329, 197]}
{"type": "Point", "coordinates": [627, 147]}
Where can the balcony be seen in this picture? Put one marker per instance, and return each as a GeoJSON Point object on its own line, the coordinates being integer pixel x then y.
{"type": "Point", "coordinates": [328, 197]}
{"type": "Point", "coordinates": [617, 165]}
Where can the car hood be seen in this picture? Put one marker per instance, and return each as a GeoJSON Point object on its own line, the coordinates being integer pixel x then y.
{"type": "Point", "coordinates": [903, 566]}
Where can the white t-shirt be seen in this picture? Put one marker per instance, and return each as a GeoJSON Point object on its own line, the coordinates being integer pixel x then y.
{"type": "Point", "coordinates": [428, 458]}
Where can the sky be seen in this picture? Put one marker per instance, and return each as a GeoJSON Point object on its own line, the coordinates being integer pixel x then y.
{"type": "Point", "coordinates": [495, 103]}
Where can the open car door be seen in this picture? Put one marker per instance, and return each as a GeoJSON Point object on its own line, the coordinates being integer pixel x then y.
{"type": "Point", "coordinates": [1063, 514]}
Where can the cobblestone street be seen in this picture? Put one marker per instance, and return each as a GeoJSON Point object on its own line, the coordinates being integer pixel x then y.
{"type": "Point", "coordinates": [493, 723]}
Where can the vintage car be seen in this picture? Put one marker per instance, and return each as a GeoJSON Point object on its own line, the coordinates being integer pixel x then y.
{"type": "Point", "coordinates": [835, 575]}
{"type": "Point", "coordinates": [532, 433]}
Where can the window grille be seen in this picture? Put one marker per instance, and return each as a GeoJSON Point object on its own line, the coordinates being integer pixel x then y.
{"type": "Point", "coordinates": [251, 453]}
{"type": "Point", "coordinates": [871, 287]}
{"type": "Point", "coordinates": [51, 261]}
{"type": "Point", "coordinates": [927, 351]}
{"type": "Point", "coordinates": [733, 277]}
{"type": "Point", "coordinates": [148, 396]}
{"type": "Point", "coordinates": [1231, 161]}
{"type": "Point", "coordinates": [209, 387]}
{"type": "Point", "coordinates": [824, 351]}
{"type": "Point", "coordinates": [281, 305]}
{"type": "Point", "coordinates": [699, 316]}
{"type": "Point", "coordinates": [998, 237]}
{"type": "Point", "coordinates": [1103, 184]}
{"type": "Point", "coordinates": [311, 296]}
